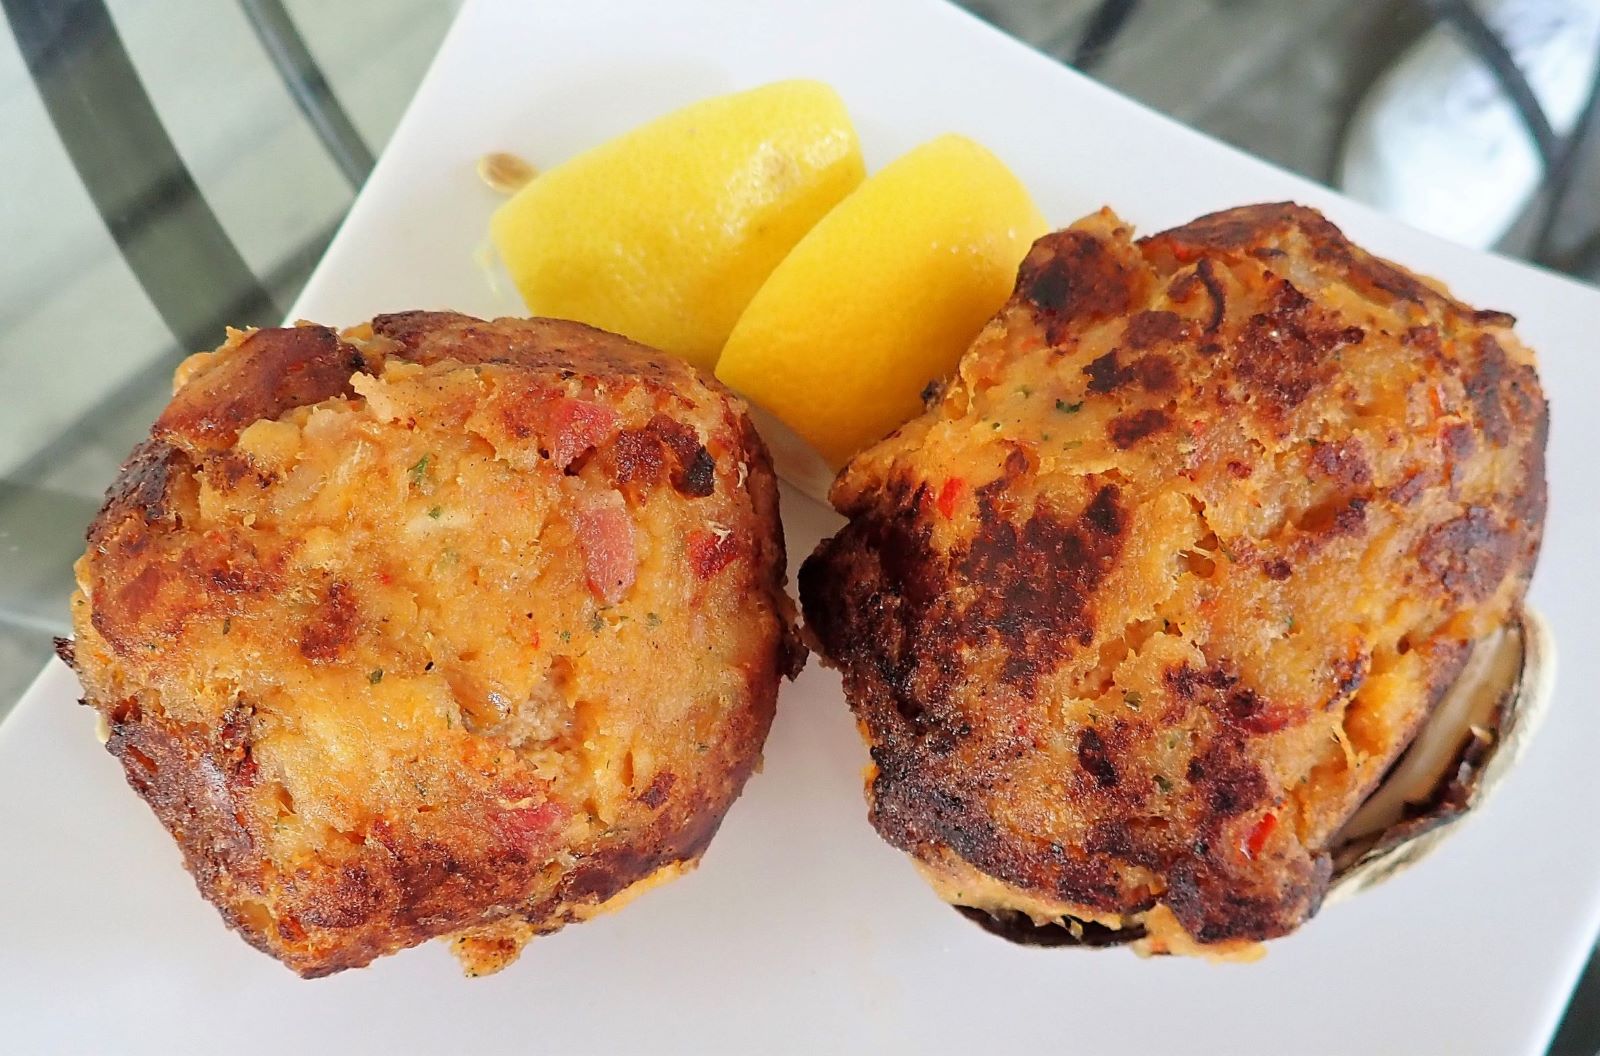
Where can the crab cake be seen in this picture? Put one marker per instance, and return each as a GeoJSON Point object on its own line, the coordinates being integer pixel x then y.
{"type": "Point", "coordinates": [1157, 589]}
{"type": "Point", "coordinates": [439, 627]}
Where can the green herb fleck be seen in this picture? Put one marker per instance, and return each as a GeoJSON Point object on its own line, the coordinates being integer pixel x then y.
{"type": "Point", "coordinates": [376, 676]}
{"type": "Point", "coordinates": [1045, 437]}
{"type": "Point", "coordinates": [227, 624]}
{"type": "Point", "coordinates": [435, 512]}
{"type": "Point", "coordinates": [1069, 408]}
{"type": "Point", "coordinates": [1163, 782]}
{"type": "Point", "coordinates": [419, 472]}
{"type": "Point", "coordinates": [994, 425]}
{"type": "Point", "coordinates": [1289, 624]}
{"type": "Point", "coordinates": [1024, 391]}
{"type": "Point", "coordinates": [702, 747]}
{"type": "Point", "coordinates": [596, 622]}
{"type": "Point", "coordinates": [1229, 555]}
{"type": "Point", "coordinates": [1133, 698]}
{"type": "Point", "coordinates": [652, 619]}
{"type": "Point", "coordinates": [566, 636]}
{"type": "Point", "coordinates": [1071, 445]}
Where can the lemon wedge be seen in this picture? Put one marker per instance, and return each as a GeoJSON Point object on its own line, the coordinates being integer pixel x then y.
{"type": "Point", "coordinates": [665, 233]}
{"type": "Point", "coordinates": [883, 295]}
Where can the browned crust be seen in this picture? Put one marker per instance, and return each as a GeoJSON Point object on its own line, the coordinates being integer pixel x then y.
{"type": "Point", "coordinates": [399, 894]}
{"type": "Point", "coordinates": [393, 884]}
{"type": "Point", "coordinates": [402, 890]}
{"type": "Point", "coordinates": [880, 602]}
{"type": "Point", "coordinates": [276, 369]}
{"type": "Point", "coordinates": [1209, 361]}
{"type": "Point", "coordinates": [543, 345]}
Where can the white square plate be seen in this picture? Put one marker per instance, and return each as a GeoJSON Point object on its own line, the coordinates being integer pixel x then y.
{"type": "Point", "coordinates": [802, 932]}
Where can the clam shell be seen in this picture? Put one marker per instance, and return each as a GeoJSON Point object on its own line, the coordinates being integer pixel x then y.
{"type": "Point", "coordinates": [1467, 747]}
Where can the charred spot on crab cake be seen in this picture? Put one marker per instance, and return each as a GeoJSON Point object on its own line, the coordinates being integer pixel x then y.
{"type": "Point", "coordinates": [437, 627]}
{"type": "Point", "coordinates": [1144, 605]}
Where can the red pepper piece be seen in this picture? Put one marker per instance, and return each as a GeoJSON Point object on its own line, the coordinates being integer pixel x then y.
{"type": "Point", "coordinates": [1258, 835]}
{"type": "Point", "coordinates": [949, 492]}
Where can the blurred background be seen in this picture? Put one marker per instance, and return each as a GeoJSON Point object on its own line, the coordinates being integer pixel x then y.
{"type": "Point", "coordinates": [172, 167]}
